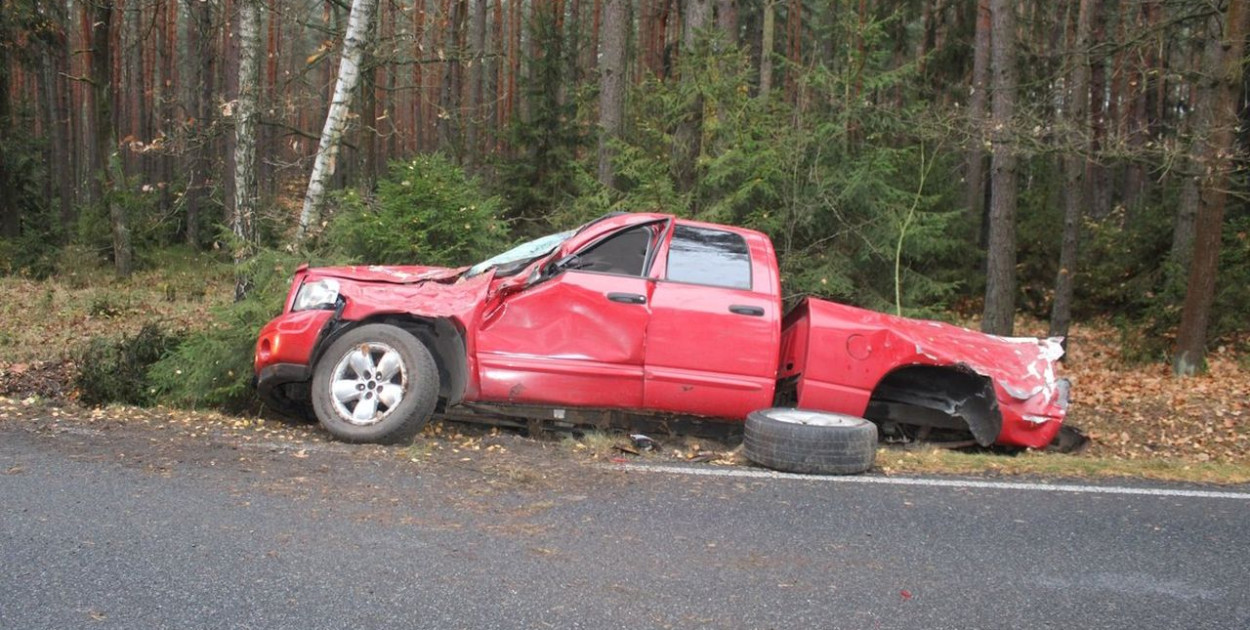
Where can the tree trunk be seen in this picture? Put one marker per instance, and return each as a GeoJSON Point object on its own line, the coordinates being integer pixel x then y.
{"type": "Point", "coordinates": [243, 224]}
{"type": "Point", "coordinates": [228, 83]}
{"type": "Point", "coordinates": [615, 33]}
{"type": "Point", "coordinates": [269, 105]}
{"type": "Point", "coordinates": [418, 75]}
{"type": "Point", "coordinates": [167, 112]}
{"type": "Point", "coordinates": [46, 120]}
{"type": "Point", "coordinates": [573, 33]}
{"type": "Point", "coordinates": [1096, 173]}
{"type": "Point", "coordinates": [130, 83]}
{"type": "Point", "coordinates": [592, 47]}
{"type": "Point", "coordinates": [727, 20]}
{"type": "Point", "coordinates": [449, 89]}
{"type": "Point", "coordinates": [794, 48]}
{"type": "Point", "coordinates": [1185, 226]}
{"type": "Point", "coordinates": [1073, 172]}
{"type": "Point", "coordinates": [1181, 254]}
{"type": "Point", "coordinates": [497, 78]}
{"type": "Point", "coordinates": [1136, 116]}
{"type": "Point", "coordinates": [199, 93]}
{"type": "Point", "coordinates": [514, 65]}
{"type": "Point", "coordinates": [646, 22]}
{"type": "Point", "coordinates": [477, 60]}
{"type": "Point", "coordinates": [974, 176]}
{"type": "Point", "coordinates": [354, 42]}
{"type": "Point", "coordinates": [64, 132]}
{"type": "Point", "coordinates": [367, 131]}
{"type": "Point", "coordinates": [1000, 285]}
{"type": "Point", "coordinates": [10, 219]}
{"type": "Point", "coordinates": [1217, 121]}
{"type": "Point", "coordinates": [105, 142]}
{"type": "Point", "coordinates": [769, 39]}
{"type": "Point", "coordinates": [688, 136]}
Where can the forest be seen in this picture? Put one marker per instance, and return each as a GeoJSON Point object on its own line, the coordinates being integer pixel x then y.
{"type": "Point", "coordinates": [978, 160]}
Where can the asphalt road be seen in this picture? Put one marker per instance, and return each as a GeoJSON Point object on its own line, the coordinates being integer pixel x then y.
{"type": "Point", "coordinates": [98, 531]}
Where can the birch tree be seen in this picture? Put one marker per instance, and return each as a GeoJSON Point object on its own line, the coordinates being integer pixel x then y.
{"type": "Point", "coordinates": [355, 41]}
{"type": "Point", "coordinates": [243, 224]}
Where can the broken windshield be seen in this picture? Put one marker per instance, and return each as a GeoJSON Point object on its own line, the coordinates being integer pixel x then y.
{"type": "Point", "coordinates": [525, 252]}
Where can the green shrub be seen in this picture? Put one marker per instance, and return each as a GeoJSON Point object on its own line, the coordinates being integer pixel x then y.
{"type": "Point", "coordinates": [854, 197]}
{"type": "Point", "coordinates": [152, 227]}
{"type": "Point", "coordinates": [107, 305]}
{"type": "Point", "coordinates": [78, 266]}
{"type": "Point", "coordinates": [115, 370]}
{"type": "Point", "coordinates": [426, 211]}
{"type": "Point", "coordinates": [213, 366]}
{"type": "Point", "coordinates": [36, 252]}
{"type": "Point", "coordinates": [33, 253]}
{"type": "Point", "coordinates": [1127, 271]}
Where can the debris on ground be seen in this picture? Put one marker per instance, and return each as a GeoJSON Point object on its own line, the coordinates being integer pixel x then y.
{"type": "Point", "coordinates": [643, 442]}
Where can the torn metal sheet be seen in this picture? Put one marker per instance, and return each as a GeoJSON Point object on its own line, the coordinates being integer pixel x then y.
{"type": "Point", "coordinates": [843, 353]}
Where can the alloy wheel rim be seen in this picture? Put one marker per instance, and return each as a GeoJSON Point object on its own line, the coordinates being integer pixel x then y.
{"type": "Point", "coordinates": [368, 383]}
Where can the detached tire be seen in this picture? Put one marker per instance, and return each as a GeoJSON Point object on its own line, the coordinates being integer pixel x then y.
{"type": "Point", "coordinates": [800, 441]}
{"type": "Point", "coordinates": [376, 383]}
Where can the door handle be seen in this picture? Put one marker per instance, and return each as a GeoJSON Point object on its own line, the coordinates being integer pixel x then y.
{"type": "Point", "coordinates": [628, 298]}
{"type": "Point", "coordinates": [753, 311]}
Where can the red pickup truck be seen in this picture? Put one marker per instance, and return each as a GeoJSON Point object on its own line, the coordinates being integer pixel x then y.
{"type": "Point", "coordinates": [646, 313]}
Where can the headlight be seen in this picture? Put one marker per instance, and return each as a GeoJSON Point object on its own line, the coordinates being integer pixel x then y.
{"type": "Point", "coordinates": [318, 294]}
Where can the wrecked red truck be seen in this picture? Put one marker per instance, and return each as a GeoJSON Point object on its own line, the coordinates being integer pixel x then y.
{"type": "Point", "coordinates": [646, 315]}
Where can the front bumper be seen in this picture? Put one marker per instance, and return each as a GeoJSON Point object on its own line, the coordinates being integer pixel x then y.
{"type": "Point", "coordinates": [284, 357]}
{"type": "Point", "coordinates": [284, 387]}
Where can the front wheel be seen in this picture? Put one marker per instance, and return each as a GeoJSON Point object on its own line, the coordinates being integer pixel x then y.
{"type": "Point", "coordinates": [376, 383]}
{"type": "Point", "coordinates": [801, 441]}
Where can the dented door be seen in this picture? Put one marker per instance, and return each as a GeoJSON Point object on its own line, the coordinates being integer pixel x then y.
{"type": "Point", "coordinates": [576, 338]}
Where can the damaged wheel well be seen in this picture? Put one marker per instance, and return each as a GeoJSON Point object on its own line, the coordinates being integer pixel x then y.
{"type": "Point", "coordinates": [442, 337]}
{"type": "Point", "coordinates": [945, 398]}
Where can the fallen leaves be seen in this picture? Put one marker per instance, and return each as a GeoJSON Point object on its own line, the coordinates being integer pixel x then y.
{"type": "Point", "coordinates": [1143, 411]}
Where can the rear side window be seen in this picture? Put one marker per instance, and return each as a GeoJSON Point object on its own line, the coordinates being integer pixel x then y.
{"type": "Point", "coordinates": [711, 257]}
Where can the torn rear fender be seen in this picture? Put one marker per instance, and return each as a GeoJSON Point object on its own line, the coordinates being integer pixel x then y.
{"type": "Point", "coordinates": [839, 354]}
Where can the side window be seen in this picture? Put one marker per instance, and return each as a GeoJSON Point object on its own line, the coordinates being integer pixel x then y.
{"type": "Point", "coordinates": [712, 257]}
{"type": "Point", "coordinates": [623, 253]}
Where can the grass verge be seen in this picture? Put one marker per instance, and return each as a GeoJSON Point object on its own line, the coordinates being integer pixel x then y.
{"type": "Point", "coordinates": [1033, 463]}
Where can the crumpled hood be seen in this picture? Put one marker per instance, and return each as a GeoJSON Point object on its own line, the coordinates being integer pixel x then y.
{"type": "Point", "coordinates": [411, 289]}
{"type": "Point", "coordinates": [397, 274]}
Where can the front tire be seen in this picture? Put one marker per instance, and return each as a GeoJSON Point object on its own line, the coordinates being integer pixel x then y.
{"type": "Point", "coordinates": [376, 383]}
{"type": "Point", "coordinates": [801, 441]}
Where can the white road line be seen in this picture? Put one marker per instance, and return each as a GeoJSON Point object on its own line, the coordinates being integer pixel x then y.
{"type": "Point", "coordinates": [941, 483]}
